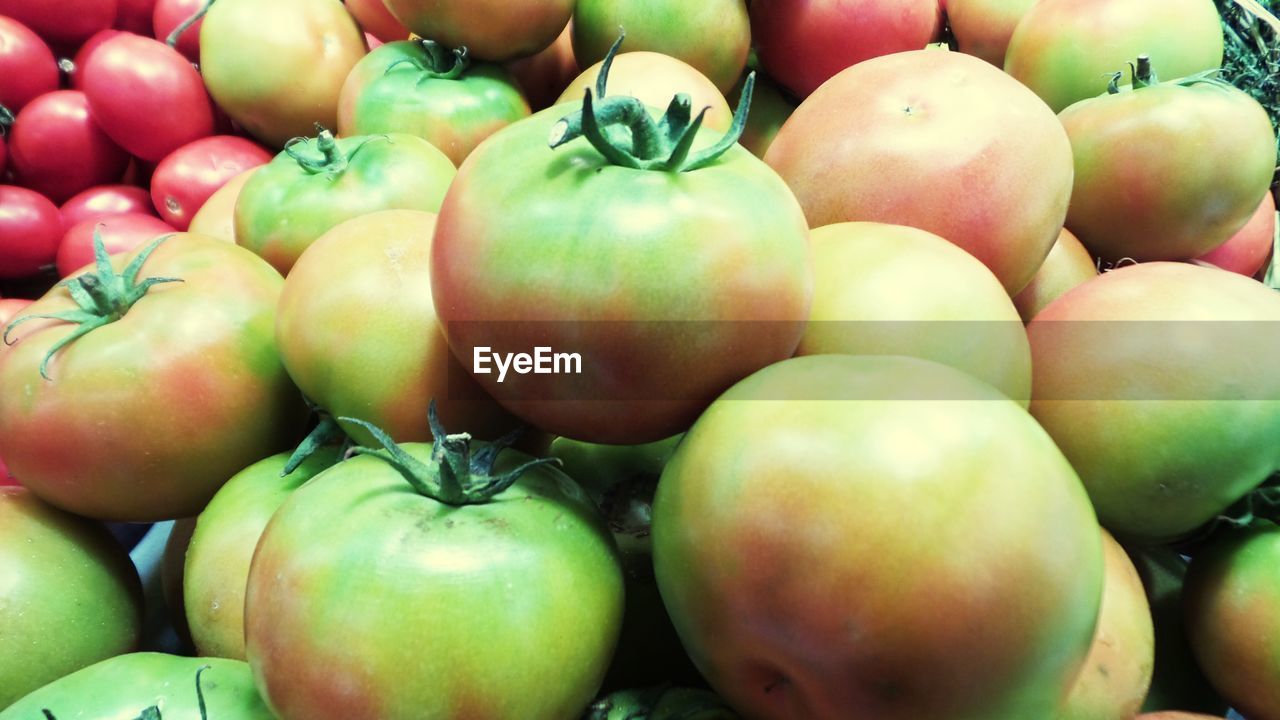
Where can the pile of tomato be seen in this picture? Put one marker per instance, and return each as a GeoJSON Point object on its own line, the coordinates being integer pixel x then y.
{"type": "Point", "coordinates": [560, 359]}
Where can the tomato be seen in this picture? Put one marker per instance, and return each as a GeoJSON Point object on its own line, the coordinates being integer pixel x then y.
{"type": "Point", "coordinates": [655, 346]}
{"type": "Point", "coordinates": [128, 77]}
{"type": "Point", "coordinates": [120, 233]}
{"type": "Point", "coordinates": [894, 290]}
{"type": "Point", "coordinates": [104, 201]}
{"type": "Point", "coordinates": [124, 686]}
{"type": "Point", "coordinates": [9, 307]}
{"type": "Point", "coordinates": [1067, 265]}
{"type": "Point", "coordinates": [420, 88]}
{"type": "Point", "coordinates": [512, 560]}
{"type": "Point", "coordinates": [318, 183]}
{"type": "Point", "coordinates": [494, 30]}
{"type": "Point", "coordinates": [171, 564]}
{"type": "Point", "coordinates": [70, 596]}
{"type": "Point", "coordinates": [654, 78]}
{"type": "Point", "coordinates": [134, 16]}
{"type": "Point", "coordinates": [144, 417]}
{"type": "Point", "coordinates": [188, 176]}
{"type": "Point", "coordinates": [1177, 716]}
{"type": "Point", "coordinates": [58, 150]}
{"type": "Point", "coordinates": [1066, 50]}
{"type": "Point", "coordinates": [67, 22]}
{"type": "Point", "coordinates": [377, 20]}
{"type": "Point", "coordinates": [216, 218]}
{"type": "Point", "coordinates": [712, 36]}
{"type": "Point", "coordinates": [168, 15]}
{"type": "Point", "coordinates": [27, 67]}
{"type": "Point", "coordinates": [1117, 671]}
{"type": "Point", "coordinates": [983, 27]}
{"type": "Point", "coordinates": [779, 544]}
{"type": "Point", "coordinates": [216, 570]}
{"type": "Point", "coordinates": [1168, 421]}
{"type": "Point", "coordinates": [662, 702]}
{"type": "Point", "coordinates": [358, 332]}
{"type": "Point", "coordinates": [1170, 131]}
{"type": "Point", "coordinates": [76, 69]}
{"type": "Point", "coordinates": [277, 68]}
{"type": "Point", "coordinates": [879, 143]}
{"type": "Point", "coordinates": [30, 229]}
{"type": "Point", "coordinates": [1248, 250]}
{"type": "Point", "coordinates": [803, 43]}
{"type": "Point", "coordinates": [545, 75]}
{"type": "Point", "coordinates": [770, 108]}
{"type": "Point", "coordinates": [621, 480]}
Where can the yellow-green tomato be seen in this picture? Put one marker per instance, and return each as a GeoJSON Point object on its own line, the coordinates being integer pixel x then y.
{"type": "Point", "coordinates": [276, 68]}
{"type": "Point", "coordinates": [654, 78]}
{"type": "Point", "coordinates": [856, 537]}
{"type": "Point", "coordinates": [895, 290]}
{"type": "Point", "coordinates": [1069, 264]}
{"type": "Point", "coordinates": [494, 30]}
{"type": "Point", "coordinates": [69, 597]}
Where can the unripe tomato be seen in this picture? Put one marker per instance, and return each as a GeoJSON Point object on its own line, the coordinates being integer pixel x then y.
{"type": "Point", "coordinates": [217, 217]}
{"type": "Point", "coordinates": [654, 78]}
{"type": "Point", "coordinates": [1067, 265]}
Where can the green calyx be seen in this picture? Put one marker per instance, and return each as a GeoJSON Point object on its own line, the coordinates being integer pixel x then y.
{"type": "Point", "coordinates": [454, 475]}
{"type": "Point", "coordinates": [437, 62]}
{"type": "Point", "coordinates": [324, 156]}
{"type": "Point", "coordinates": [326, 432]}
{"type": "Point", "coordinates": [102, 296]}
{"type": "Point", "coordinates": [621, 129]}
{"type": "Point", "coordinates": [153, 712]}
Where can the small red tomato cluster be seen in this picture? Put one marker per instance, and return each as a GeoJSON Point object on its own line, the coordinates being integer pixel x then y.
{"type": "Point", "coordinates": [662, 360]}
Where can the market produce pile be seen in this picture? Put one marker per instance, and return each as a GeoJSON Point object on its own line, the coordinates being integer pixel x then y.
{"type": "Point", "coordinates": [666, 360]}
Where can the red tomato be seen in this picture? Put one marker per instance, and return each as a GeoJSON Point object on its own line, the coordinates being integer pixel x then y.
{"type": "Point", "coordinates": [146, 96]}
{"type": "Point", "coordinates": [105, 201]}
{"type": "Point", "coordinates": [58, 150]}
{"type": "Point", "coordinates": [802, 43]}
{"type": "Point", "coordinates": [62, 22]}
{"type": "Point", "coordinates": [30, 228]}
{"type": "Point", "coordinates": [4, 155]}
{"type": "Point", "coordinates": [166, 18]}
{"type": "Point", "coordinates": [185, 179]}
{"type": "Point", "coordinates": [1247, 251]}
{"type": "Point", "coordinates": [376, 20]}
{"type": "Point", "coordinates": [134, 16]}
{"type": "Point", "coordinates": [82, 56]}
{"type": "Point", "coordinates": [120, 233]}
{"type": "Point", "coordinates": [27, 65]}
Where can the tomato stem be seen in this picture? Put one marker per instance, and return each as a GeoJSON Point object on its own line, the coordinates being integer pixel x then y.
{"type": "Point", "coordinates": [6, 120]}
{"type": "Point", "coordinates": [326, 432]}
{"type": "Point", "coordinates": [331, 160]}
{"type": "Point", "coordinates": [438, 63]}
{"type": "Point", "coordinates": [185, 25]}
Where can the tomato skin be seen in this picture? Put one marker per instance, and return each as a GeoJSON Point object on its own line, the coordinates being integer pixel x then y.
{"type": "Point", "coordinates": [58, 149]}
{"type": "Point", "coordinates": [30, 228]}
{"type": "Point", "coordinates": [512, 576]}
{"type": "Point", "coordinates": [1247, 252]}
{"type": "Point", "coordinates": [803, 43]}
{"type": "Point", "coordinates": [1130, 370]}
{"type": "Point", "coordinates": [69, 22]}
{"type": "Point", "coordinates": [193, 366]}
{"type": "Point", "coordinates": [877, 143]}
{"type": "Point", "coordinates": [217, 217]}
{"type": "Point", "coordinates": [1175, 715]}
{"type": "Point", "coordinates": [454, 115]}
{"type": "Point", "coordinates": [983, 27]}
{"type": "Point", "coordinates": [1066, 50]}
{"type": "Point", "coordinates": [375, 19]}
{"type": "Point", "coordinates": [277, 68]}
{"type": "Point", "coordinates": [542, 77]}
{"type": "Point", "coordinates": [120, 233]}
{"type": "Point", "coordinates": [124, 686]}
{"type": "Point", "coordinates": [168, 15]}
{"type": "Point", "coordinates": [283, 208]}
{"type": "Point", "coordinates": [26, 64]}
{"type": "Point", "coordinates": [81, 58]}
{"type": "Point", "coordinates": [127, 77]}
{"type": "Point", "coordinates": [104, 201]}
{"type": "Point", "coordinates": [713, 36]}
{"type": "Point", "coordinates": [188, 176]}
{"type": "Point", "coordinates": [494, 30]}
{"type": "Point", "coordinates": [654, 78]}
{"type": "Point", "coordinates": [1210, 182]}
{"type": "Point", "coordinates": [1068, 264]}
{"type": "Point", "coordinates": [134, 16]}
{"type": "Point", "coordinates": [71, 596]}
{"type": "Point", "coordinates": [825, 452]}
{"type": "Point", "coordinates": [1228, 602]}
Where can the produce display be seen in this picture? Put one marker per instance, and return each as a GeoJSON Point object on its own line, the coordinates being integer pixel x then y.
{"type": "Point", "coordinates": [639, 360]}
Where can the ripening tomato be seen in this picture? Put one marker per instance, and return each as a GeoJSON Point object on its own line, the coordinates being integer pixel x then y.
{"type": "Point", "coordinates": [544, 76]}
{"type": "Point", "coordinates": [779, 544]}
{"type": "Point", "coordinates": [803, 43]}
{"type": "Point", "coordinates": [654, 78]}
{"type": "Point", "coordinates": [119, 233]}
{"type": "Point", "coordinates": [27, 66]}
{"type": "Point", "coordinates": [9, 307]}
{"type": "Point", "coordinates": [168, 15]}
{"type": "Point", "coordinates": [878, 143]}
{"type": "Point", "coordinates": [494, 30]}
{"type": "Point", "coordinates": [58, 149]}
{"type": "Point", "coordinates": [375, 19]}
{"type": "Point", "coordinates": [69, 599]}
{"type": "Point", "coordinates": [129, 78]}
{"type": "Point", "coordinates": [104, 201]}
{"type": "Point", "coordinates": [217, 217]}
{"type": "Point", "coordinates": [188, 176]}
{"type": "Point", "coordinates": [1247, 251]}
{"type": "Point", "coordinates": [1068, 264]}
{"type": "Point", "coordinates": [30, 230]}
{"type": "Point", "coordinates": [65, 23]}
{"type": "Point", "coordinates": [983, 27]}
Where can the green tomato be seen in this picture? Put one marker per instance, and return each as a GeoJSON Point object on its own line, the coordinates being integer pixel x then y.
{"type": "Point", "coordinates": [124, 686]}
{"type": "Point", "coordinates": [69, 597]}
{"type": "Point", "coordinates": [414, 87]}
{"type": "Point", "coordinates": [316, 184]}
